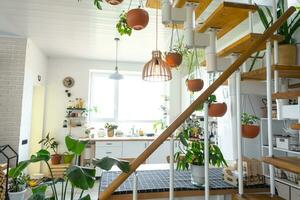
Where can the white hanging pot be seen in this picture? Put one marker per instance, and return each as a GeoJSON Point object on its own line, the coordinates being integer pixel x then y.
{"type": "Point", "coordinates": [197, 174]}
{"type": "Point", "coordinates": [17, 195]}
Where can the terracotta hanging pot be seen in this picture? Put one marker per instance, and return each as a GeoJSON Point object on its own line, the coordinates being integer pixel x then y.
{"type": "Point", "coordinates": [55, 159]}
{"type": "Point", "coordinates": [217, 109]}
{"type": "Point", "coordinates": [287, 54]}
{"type": "Point", "coordinates": [250, 131]}
{"type": "Point", "coordinates": [173, 59]}
{"type": "Point", "coordinates": [194, 85]}
{"type": "Point", "coordinates": [114, 2]}
{"type": "Point", "coordinates": [137, 18]}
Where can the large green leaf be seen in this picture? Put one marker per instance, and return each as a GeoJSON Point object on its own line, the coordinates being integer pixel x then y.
{"type": "Point", "coordinates": [38, 193]}
{"type": "Point", "coordinates": [81, 177]}
{"type": "Point", "coordinates": [107, 163]}
{"type": "Point", "coordinates": [87, 197]}
{"type": "Point", "coordinates": [75, 146]}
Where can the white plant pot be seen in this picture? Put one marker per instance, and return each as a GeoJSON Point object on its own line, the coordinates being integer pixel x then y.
{"type": "Point", "coordinates": [197, 173]}
{"type": "Point", "coordinates": [17, 195]}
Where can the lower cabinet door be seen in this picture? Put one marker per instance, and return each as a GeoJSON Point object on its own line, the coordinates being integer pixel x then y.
{"type": "Point", "coordinates": [283, 190]}
{"type": "Point", "coordinates": [295, 194]}
{"type": "Point", "coordinates": [132, 149]}
{"type": "Point", "coordinates": [160, 155]}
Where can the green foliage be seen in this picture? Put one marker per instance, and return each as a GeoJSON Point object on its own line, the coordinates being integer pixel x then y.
{"type": "Point", "coordinates": [191, 60]}
{"type": "Point", "coordinates": [87, 197]}
{"type": "Point", "coordinates": [109, 126]}
{"type": "Point", "coordinates": [81, 177]}
{"type": "Point", "coordinates": [107, 163]}
{"type": "Point", "coordinates": [122, 25]}
{"type": "Point", "coordinates": [49, 143]}
{"type": "Point", "coordinates": [180, 48]}
{"type": "Point", "coordinates": [75, 146]}
{"type": "Point", "coordinates": [193, 153]}
{"type": "Point", "coordinates": [97, 4]}
{"type": "Point", "coordinates": [211, 99]}
{"type": "Point", "coordinates": [38, 193]}
{"type": "Point", "coordinates": [287, 29]}
{"type": "Point", "coordinates": [18, 183]}
{"type": "Point", "coordinates": [248, 119]}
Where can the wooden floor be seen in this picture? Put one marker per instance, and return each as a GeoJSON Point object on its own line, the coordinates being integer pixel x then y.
{"type": "Point", "coordinates": [255, 197]}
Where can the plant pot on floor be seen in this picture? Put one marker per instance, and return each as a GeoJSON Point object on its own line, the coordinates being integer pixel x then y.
{"type": "Point", "coordinates": [250, 131]}
{"type": "Point", "coordinates": [197, 175]}
{"type": "Point", "coordinates": [287, 54]}
{"type": "Point", "coordinates": [17, 195]}
{"type": "Point", "coordinates": [217, 109]}
{"type": "Point", "coordinates": [194, 85]}
{"type": "Point", "coordinates": [55, 159]}
{"type": "Point", "coordinates": [137, 19]}
{"type": "Point", "coordinates": [173, 59]}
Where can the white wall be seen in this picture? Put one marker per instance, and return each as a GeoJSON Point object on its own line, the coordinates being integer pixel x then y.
{"type": "Point", "coordinates": [56, 100]}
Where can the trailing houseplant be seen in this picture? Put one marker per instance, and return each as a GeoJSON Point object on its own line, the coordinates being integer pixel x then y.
{"type": "Point", "coordinates": [17, 186]}
{"type": "Point", "coordinates": [82, 178]}
{"type": "Point", "coordinates": [122, 25]}
{"type": "Point", "coordinates": [50, 143]}
{"type": "Point", "coordinates": [250, 128]}
{"type": "Point", "coordinates": [110, 129]}
{"type": "Point", "coordinates": [191, 155]}
{"type": "Point", "coordinates": [194, 83]}
{"type": "Point", "coordinates": [287, 47]}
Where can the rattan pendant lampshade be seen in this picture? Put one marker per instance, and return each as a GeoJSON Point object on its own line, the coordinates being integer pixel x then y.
{"type": "Point", "coordinates": [157, 69]}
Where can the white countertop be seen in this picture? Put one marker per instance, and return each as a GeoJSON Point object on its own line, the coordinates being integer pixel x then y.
{"type": "Point", "coordinates": [139, 138]}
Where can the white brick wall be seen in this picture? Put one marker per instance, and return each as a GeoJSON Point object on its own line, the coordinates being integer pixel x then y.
{"type": "Point", "coordinates": [12, 62]}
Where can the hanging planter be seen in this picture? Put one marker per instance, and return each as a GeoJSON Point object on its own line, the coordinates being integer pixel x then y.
{"type": "Point", "coordinates": [174, 59]}
{"type": "Point", "coordinates": [217, 109]}
{"type": "Point", "coordinates": [137, 18]}
{"type": "Point", "coordinates": [114, 2]}
{"type": "Point", "coordinates": [194, 84]}
{"type": "Point", "coordinates": [249, 127]}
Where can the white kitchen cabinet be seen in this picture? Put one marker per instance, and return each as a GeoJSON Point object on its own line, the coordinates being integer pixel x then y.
{"type": "Point", "coordinates": [132, 149]}
{"type": "Point", "coordinates": [283, 190]}
{"type": "Point", "coordinates": [295, 194]}
{"type": "Point", "coordinates": [161, 153]}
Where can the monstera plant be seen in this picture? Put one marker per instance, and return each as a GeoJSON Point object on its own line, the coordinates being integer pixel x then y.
{"type": "Point", "coordinates": [82, 178]}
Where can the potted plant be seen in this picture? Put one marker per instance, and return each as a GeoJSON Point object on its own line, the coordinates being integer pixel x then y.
{"type": "Point", "coordinates": [81, 178]}
{"type": "Point", "coordinates": [214, 109]}
{"type": "Point", "coordinates": [17, 186]}
{"type": "Point", "coordinates": [192, 156]}
{"type": "Point", "coordinates": [250, 129]}
{"type": "Point", "coordinates": [287, 54]}
{"type": "Point", "coordinates": [137, 18]}
{"type": "Point", "coordinates": [110, 129]}
{"type": "Point", "coordinates": [174, 57]}
{"type": "Point", "coordinates": [50, 143]}
{"type": "Point", "coordinates": [122, 25]}
{"type": "Point", "coordinates": [68, 157]}
{"type": "Point", "coordinates": [193, 84]}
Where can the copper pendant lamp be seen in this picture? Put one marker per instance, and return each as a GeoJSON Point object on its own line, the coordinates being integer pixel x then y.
{"type": "Point", "coordinates": [157, 69]}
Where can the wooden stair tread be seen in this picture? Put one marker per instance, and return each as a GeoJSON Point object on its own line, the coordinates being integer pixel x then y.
{"type": "Point", "coordinates": [283, 71]}
{"type": "Point", "coordinates": [291, 164]}
{"type": "Point", "coordinates": [227, 16]}
{"type": "Point", "coordinates": [256, 197]}
{"type": "Point", "coordinates": [241, 45]}
{"type": "Point", "coordinates": [203, 4]}
{"type": "Point", "coordinates": [295, 126]}
{"type": "Point", "coordinates": [286, 95]}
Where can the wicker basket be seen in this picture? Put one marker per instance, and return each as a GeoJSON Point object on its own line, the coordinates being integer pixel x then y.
{"type": "Point", "coordinates": [2, 182]}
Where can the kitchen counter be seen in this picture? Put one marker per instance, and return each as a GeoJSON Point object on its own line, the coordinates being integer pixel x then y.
{"type": "Point", "coordinates": [139, 138]}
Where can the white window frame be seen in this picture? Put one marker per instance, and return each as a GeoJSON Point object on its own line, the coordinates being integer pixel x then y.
{"type": "Point", "coordinates": [116, 119]}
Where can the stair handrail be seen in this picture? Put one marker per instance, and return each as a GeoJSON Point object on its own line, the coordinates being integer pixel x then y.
{"type": "Point", "coordinates": [200, 100]}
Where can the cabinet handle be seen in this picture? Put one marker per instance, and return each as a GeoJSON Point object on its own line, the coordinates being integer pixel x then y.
{"type": "Point", "coordinates": [109, 152]}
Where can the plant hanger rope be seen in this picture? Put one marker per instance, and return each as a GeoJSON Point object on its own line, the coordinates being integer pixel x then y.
{"type": "Point", "coordinates": [174, 26]}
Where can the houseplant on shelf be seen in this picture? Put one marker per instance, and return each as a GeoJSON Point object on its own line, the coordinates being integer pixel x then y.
{"type": "Point", "coordinates": [250, 129]}
{"type": "Point", "coordinates": [287, 48]}
{"type": "Point", "coordinates": [50, 143]}
{"type": "Point", "coordinates": [17, 186]}
{"type": "Point", "coordinates": [193, 82]}
{"type": "Point", "coordinates": [82, 178]}
{"type": "Point", "coordinates": [110, 129]}
{"type": "Point", "coordinates": [191, 155]}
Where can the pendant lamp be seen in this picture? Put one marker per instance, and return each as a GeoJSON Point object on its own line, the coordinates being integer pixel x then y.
{"type": "Point", "coordinates": [116, 75]}
{"type": "Point", "coordinates": [157, 69]}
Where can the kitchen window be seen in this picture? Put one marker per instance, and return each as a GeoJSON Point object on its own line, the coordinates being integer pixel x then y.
{"type": "Point", "coordinates": [128, 102]}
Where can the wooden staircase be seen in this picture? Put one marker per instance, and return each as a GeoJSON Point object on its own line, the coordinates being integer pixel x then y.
{"type": "Point", "coordinates": [224, 18]}
{"type": "Point", "coordinates": [287, 163]}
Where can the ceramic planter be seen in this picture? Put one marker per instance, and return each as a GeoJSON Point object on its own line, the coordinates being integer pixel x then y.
{"type": "Point", "coordinates": [137, 18]}
{"type": "Point", "coordinates": [287, 54]}
{"type": "Point", "coordinates": [194, 85]}
{"type": "Point", "coordinates": [114, 2]}
{"type": "Point", "coordinates": [68, 158]}
{"type": "Point", "coordinates": [250, 131]}
{"type": "Point", "coordinates": [17, 195]}
{"type": "Point", "coordinates": [110, 132]}
{"type": "Point", "coordinates": [55, 159]}
{"type": "Point", "coordinates": [197, 175]}
{"type": "Point", "coordinates": [173, 59]}
{"type": "Point", "coordinates": [217, 109]}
